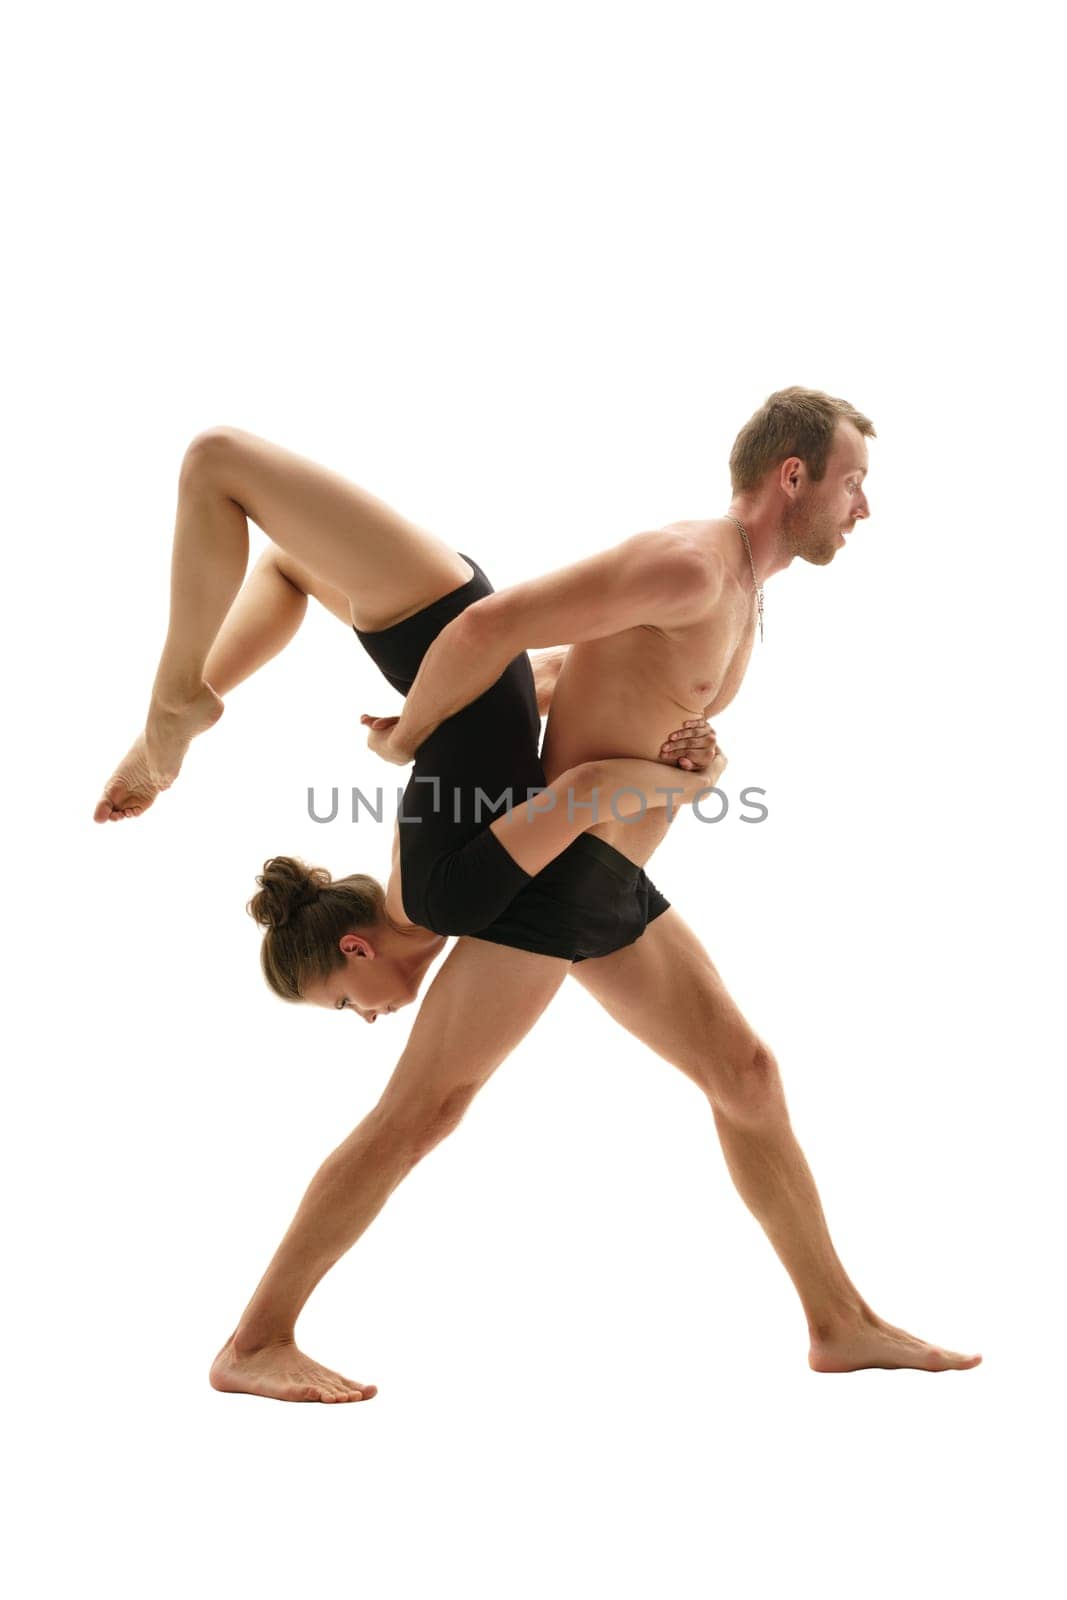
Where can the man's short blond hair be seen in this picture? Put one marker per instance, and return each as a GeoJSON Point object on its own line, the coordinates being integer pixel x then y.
{"type": "Point", "coordinates": [791, 422]}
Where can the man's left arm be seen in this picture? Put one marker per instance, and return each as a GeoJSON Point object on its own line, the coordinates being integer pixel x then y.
{"type": "Point", "coordinates": [659, 579]}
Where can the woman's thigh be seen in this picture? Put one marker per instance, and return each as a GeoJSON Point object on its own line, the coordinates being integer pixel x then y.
{"type": "Point", "coordinates": [349, 539]}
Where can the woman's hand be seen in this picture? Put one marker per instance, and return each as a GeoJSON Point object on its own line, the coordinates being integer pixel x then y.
{"type": "Point", "coordinates": [379, 739]}
{"type": "Point", "coordinates": [691, 747]}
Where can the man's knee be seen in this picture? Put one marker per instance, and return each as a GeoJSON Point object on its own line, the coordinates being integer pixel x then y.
{"type": "Point", "coordinates": [746, 1085]}
{"type": "Point", "coordinates": [420, 1128]}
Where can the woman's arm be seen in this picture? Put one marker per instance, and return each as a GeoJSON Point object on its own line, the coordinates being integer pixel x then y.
{"type": "Point", "coordinates": [394, 897]}
{"type": "Point", "coordinates": [538, 830]}
{"type": "Point", "coordinates": [547, 665]}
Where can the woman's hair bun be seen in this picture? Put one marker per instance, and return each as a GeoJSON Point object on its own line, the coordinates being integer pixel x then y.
{"type": "Point", "coordinates": [286, 886]}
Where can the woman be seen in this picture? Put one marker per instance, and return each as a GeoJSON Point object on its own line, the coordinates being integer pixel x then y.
{"type": "Point", "coordinates": [352, 944]}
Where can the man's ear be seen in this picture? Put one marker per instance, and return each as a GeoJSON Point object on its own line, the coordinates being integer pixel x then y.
{"type": "Point", "coordinates": [355, 946]}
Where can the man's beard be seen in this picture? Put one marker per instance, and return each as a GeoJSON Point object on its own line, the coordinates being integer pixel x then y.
{"type": "Point", "coordinates": [810, 532]}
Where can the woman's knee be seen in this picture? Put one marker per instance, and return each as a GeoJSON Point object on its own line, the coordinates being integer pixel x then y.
{"type": "Point", "coordinates": [209, 454]}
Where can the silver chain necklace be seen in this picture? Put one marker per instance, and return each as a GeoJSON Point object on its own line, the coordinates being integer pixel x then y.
{"type": "Point", "coordinates": [757, 586]}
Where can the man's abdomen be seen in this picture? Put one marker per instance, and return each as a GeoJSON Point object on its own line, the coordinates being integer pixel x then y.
{"type": "Point", "coordinates": [606, 704]}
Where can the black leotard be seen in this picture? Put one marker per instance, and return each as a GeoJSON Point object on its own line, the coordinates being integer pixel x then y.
{"type": "Point", "coordinates": [456, 876]}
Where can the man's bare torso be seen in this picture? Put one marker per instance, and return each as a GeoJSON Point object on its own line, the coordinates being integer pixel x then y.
{"type": "Point", "coordinates": [621, 695]}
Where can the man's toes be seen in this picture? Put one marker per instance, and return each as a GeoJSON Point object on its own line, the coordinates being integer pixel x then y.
{"type": "Point", "coordinates": [939, 1360]}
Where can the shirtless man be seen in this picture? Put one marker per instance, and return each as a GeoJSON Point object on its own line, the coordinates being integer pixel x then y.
{"type": "Point", "coordinates": [485, 998]}
{"type": "Point", "coordinates": [661, 629]}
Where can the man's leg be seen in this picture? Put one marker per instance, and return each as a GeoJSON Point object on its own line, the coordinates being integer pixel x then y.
{"type": "Point", "coordinates": [482, 1003]}
{"type": "Point", "coordinates": [355, 546]}
{"type": "Point", "coordinates": [665, 990]}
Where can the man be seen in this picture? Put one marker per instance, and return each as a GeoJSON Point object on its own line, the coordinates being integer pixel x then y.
{"type": "Point", "coordinates": [661, 628]}
{"type": "Point", "coordinates": [681, 598]}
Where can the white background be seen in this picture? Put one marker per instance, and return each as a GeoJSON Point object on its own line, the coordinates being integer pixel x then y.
{"type": "Point", "coordinates": [524, 272]}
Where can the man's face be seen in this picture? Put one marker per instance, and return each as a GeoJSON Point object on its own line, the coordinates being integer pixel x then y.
{"type": "Point", "coordinates": [817, 521]}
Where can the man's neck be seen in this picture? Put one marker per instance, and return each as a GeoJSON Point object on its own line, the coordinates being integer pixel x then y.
{"type": "Point", "coordinates": [763, 524]}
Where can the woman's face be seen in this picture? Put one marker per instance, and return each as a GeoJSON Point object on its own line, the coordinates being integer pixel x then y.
{"type": "Point", "coordinates": [370, 984]}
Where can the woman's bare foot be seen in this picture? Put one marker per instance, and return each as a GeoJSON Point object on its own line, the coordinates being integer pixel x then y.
{"type": "Point", "coordinates": [282, 1372]}
{"type": "Point", "coordinates": [870, 1342]}
{"type": "Point", "coordinates": [154, 759]}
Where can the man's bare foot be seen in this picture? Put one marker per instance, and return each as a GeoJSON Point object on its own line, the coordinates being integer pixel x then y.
{"type": "Point", "coordinates": [870, 1342]}
{"type": "Point", "coordinates": [282, 1372]}
{"type": "Point", "coordinates": [154, 759]}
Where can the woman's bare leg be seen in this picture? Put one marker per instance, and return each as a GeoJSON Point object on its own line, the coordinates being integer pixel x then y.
{"type": "Point", "coordinates": [383, 566]}
{"type": "Point", "coordinates": [262, 620]}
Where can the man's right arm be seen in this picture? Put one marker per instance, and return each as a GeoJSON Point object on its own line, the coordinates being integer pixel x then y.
{"type": "Point", "coordinates": [660, 579]}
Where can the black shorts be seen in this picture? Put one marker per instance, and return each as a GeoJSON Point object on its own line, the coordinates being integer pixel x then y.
{"type": "Point", "coordinates": [589, 902]}
{"type": "Point", "coordinates": [456, 876]}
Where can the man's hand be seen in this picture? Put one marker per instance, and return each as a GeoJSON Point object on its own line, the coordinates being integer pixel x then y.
{"type": "Point", "coordinates": [692, 747]}
{"type": "Point", "coordinates": [379, 739]}
{"type": "Point", "coordinates": [702, 779]}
